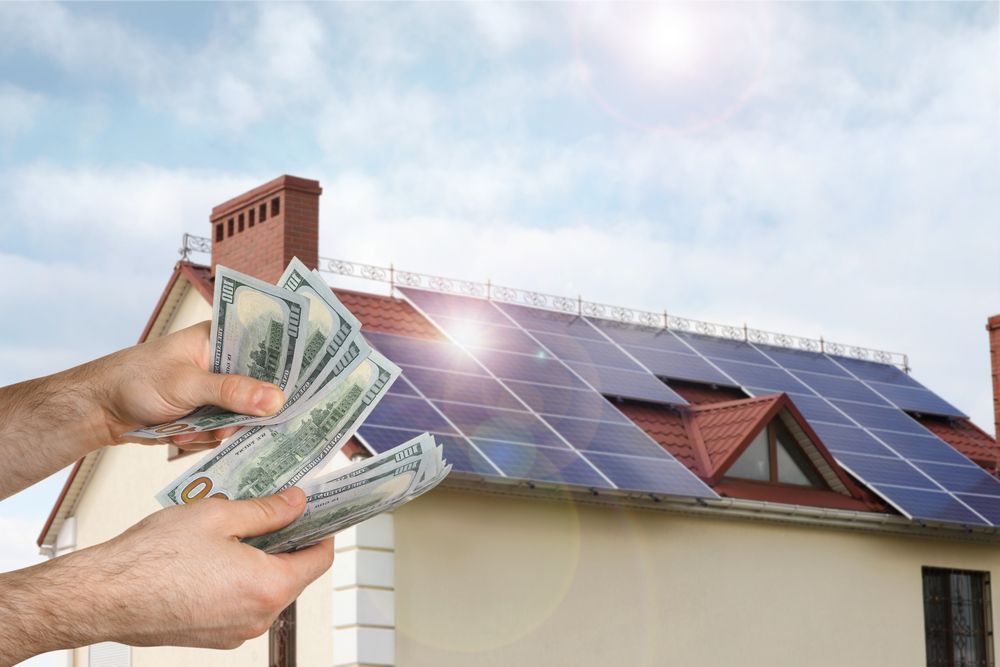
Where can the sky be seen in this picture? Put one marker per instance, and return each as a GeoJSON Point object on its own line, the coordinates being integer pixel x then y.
{"type": "Point", "coordinates": [816, 168]}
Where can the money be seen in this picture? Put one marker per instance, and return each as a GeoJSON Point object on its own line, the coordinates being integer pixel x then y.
{"type": "Point", "coordinates": [331, 332]}
{"type": "Point", "coordinates": [257, 330]}
{"type": "Point", "coordinates": [299, 336]}
{"type": "Point", "coordinates": [261, 460]}
{"type": "Point", "coordinates": [344, 498]}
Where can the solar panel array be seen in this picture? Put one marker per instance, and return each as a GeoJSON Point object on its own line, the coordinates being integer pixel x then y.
{"type": "Point", "coordinates": [520, 392]}
{"type": "Point", "coordinates": [520, 415]}
{"type": "Point", "coordinates": [858, 408]}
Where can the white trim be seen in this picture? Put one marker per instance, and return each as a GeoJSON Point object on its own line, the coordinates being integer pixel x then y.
{"type": "Point", "coordinates": [364, 612]}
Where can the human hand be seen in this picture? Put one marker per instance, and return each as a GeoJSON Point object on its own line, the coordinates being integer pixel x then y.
{"type": "Point", "coordinates": [167, 378]}
{"type": "Point", "coordinates": [179, 577]}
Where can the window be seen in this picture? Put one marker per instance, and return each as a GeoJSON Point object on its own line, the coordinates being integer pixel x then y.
{"type": "Point", "coordinates": [219, 231]}
{"type": "Point", "coordinates": [240, 223]}
{"type": "Point", "coordinates": [275, 206]}
{"type": "Point", "coordinates": [263, 212]}
{"type": "Point", "coordinates": [250, 216]}
{"type": "Point", "coordinates": [229, 228]}
{"type": "Point", "coordinates": [774, 456]}
{"type": "Point", "coordinates": [958, 629]}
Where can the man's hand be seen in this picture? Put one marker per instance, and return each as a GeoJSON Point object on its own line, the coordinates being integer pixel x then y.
{"type": "Point", "coordinates": [48, 423]}
{"type": "Point", "coordinates": [178, 577]}
{"type": "Point", "coordinates": [167, 378]}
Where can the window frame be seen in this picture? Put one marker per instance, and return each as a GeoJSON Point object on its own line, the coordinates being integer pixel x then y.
{"type": "Point", "coordinates": [985, 595]}
{"type": "Point", "coordinates": [772, 462]}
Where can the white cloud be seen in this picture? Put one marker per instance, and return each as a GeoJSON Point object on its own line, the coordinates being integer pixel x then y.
{"type": "Point", "coordinates": [19, 108]}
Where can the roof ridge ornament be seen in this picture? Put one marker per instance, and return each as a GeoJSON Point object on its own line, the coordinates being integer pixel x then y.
{"type": "Point", "coordinates": [575, 306]}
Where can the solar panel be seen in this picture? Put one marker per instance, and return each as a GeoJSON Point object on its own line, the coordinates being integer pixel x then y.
{"type": "Point", "coordinates": [475, 389]}
{"type": "Point", "coordinates": [802, 360]}
{"type": "Point", "coordinates": [930, 505]}
{"type": "Point", "coordinates": [877, 417]}
{"type": "Point", "coordinates": [856, 406]}
{"type": "Point", "coordinates": [559, 401]}
{"type": "Point", "coordinates": [635, 473]}
{"type": "Point", "coordinates": [415, 412]}
{"type": "Point", "coordinates": [724, 348]}
{"type": "Point", "coordinates": [890, 470]}
{"type": "Point", "coordinates": [577, 418]}
{"type": "Point", "coordinates": [960, 478]}
{"type": "Point", "coordinates": [840, 387]}
{"type": "Point", "coordinates": [987, 506]}
{"type": "Point", "coordinates": [638, 384]}
{"type": "Point", "coordinates": [534, 319]}
{"type": "Point", "coordinates": [457, 450]}
{"type": "Point", "coordinates": [921, 447]}
{"type": "Point", "coordinates": [542, 463]}
{"type": "Point", "coordinates": [478, 421]}
{"type": "Point", "coordinates": [539, 369]}
{"type": "Point", "coordinates": [914, 399]}
{"type": "Point", "coordinates": [492, 431]}
{"type": "Point", "coordinates": [632, 334]}
{"type": "Point", "coordinates": [771, 378]}
{"type": "Point", "coordinates": [678, 366]}
{"type": "Point", "coordinates": [870, 370]}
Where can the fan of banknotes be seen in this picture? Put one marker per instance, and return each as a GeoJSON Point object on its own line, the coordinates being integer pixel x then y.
{"type": "Point", "coordinates": [299, 336]}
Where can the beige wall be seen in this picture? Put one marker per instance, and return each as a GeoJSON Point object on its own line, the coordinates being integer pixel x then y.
{"type": "Point", "coordinates": [487, 580]}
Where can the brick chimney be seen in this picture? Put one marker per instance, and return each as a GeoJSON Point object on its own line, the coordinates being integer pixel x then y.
{"type": "Point", "coordinates": [993, 327]}
{"type": "Point", "coordinates": [259, 231]}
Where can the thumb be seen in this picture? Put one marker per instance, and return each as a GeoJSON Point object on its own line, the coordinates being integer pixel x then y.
{"type": "Point", "coordinates": [259, 516]}
{"type": "Point", "coordinates": [237, 393]}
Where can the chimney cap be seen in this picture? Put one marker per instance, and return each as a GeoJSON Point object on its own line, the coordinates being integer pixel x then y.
{"type": "Point", "coordinates": [284, 182]}
{"type": "Point", "coordinates": [993, 323]}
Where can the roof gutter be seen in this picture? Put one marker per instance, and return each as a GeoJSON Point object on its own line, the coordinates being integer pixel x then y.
{"type": "Point", "coordinates": [735, 508]}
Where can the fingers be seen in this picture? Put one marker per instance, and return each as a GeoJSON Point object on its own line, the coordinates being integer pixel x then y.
{"type": "Point", "coordinates": [310, 562]}
{"type": "Point", "coordinates": [258, 516]}
{"type": "Point", "coordinates": [207, 440]}
{"type": "Point", "coordinates": [236, 393]}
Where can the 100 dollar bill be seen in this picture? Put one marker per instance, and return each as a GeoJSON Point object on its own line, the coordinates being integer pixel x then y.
{"type": "Point", "coordinates": [257, 330]}
{"type": "Point", "coordinates": [261, 460]}
{"type": "Point", "coordinates": [342, 499]}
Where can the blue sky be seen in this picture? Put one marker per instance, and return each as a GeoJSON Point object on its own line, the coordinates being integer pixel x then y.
{"type": "Point", "coordinates": [811, 168]}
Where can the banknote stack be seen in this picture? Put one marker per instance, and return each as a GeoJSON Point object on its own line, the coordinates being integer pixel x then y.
{"type": "Point", "coordinates": [299, 336]}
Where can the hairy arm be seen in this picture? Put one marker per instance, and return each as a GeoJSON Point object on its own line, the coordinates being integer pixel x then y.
{"type": "Point", "coordinates": [179, 577]}
{"type": "Point", "coordinates": [48, 423]}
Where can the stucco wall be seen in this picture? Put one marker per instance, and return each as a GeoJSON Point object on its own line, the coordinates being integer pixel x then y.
{"type": "Point", "coordinates": [485, 580]}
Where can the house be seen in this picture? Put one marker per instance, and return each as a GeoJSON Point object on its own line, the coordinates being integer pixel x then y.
{"type": "Point", "coordinates": [623, 494]}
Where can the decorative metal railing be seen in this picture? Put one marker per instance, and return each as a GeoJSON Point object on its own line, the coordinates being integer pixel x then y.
{"type": "Point", "coordinates": [577, 306]}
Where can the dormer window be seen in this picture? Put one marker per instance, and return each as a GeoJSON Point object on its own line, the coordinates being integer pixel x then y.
{"type": "Point", "coordinates": [774, 456]}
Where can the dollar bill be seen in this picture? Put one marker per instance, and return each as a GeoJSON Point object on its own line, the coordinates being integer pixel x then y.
{"type": "Point", "coordinates": [345, 498]}
{"type": "Point", "coordinates": [260, 460]}
{"type": "Point", "coordinates": [331, 332]}
{"type": "Point", "coordinates": [257, 330]}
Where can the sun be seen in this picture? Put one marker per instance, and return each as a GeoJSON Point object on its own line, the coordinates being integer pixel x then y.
{"type": "Point", "coordinates": [664, 41]}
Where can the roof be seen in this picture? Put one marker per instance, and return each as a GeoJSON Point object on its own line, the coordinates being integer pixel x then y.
{"type": "Point", "coordinates": [706, 436]}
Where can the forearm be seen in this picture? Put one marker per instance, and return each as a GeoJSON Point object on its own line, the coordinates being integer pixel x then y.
{"type": "Point", "coordinates": [46, 424]}
{"type": "Point", "coordinates": [46, 607]}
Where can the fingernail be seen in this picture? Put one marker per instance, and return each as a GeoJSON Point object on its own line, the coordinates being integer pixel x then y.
{"type": "Point", "coordinates": [268, 399]}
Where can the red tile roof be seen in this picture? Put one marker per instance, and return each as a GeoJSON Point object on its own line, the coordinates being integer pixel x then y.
{"type": "Point", "coordinates": [725, 428]}
{"type": "Point", "coordinates": [386, 314]}
{"type": "Point", "coordinates": [669, 428]}
{"type": "Point", "coordinates": [967, 438]}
